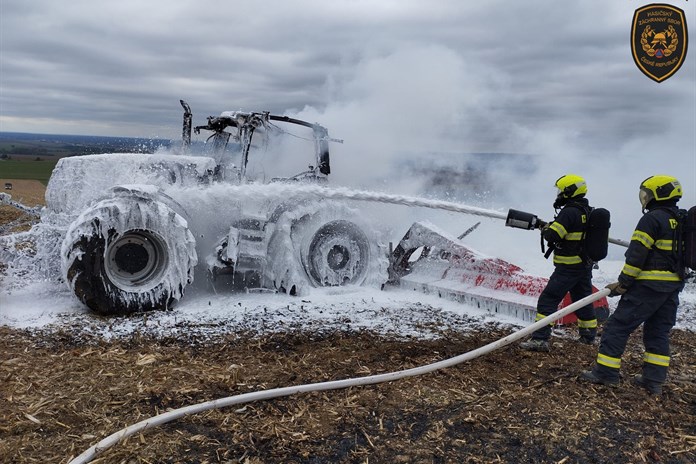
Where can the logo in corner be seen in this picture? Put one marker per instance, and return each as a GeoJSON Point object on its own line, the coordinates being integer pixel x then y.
{"type": "Point", "coordinates": [659, 40]}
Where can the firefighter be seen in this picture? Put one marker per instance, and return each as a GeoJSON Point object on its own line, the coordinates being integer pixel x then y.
{"type": "Point", "coordinates": [573, 270]}
{"type": "Point", "coordinates": [649, 286]}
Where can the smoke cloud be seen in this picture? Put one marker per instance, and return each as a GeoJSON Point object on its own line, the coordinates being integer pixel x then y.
{"type": "Point", "coordinates": [427, 103]}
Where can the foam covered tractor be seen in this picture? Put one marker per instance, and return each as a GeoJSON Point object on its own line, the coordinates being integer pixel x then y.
{"type": "Point", "coordinates": [130, 232]}
{"type": "Point", "coordinates": [135, 229]}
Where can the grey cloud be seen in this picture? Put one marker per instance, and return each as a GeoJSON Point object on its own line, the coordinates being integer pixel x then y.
{"type": "Point", "coordinates": [528, 68]}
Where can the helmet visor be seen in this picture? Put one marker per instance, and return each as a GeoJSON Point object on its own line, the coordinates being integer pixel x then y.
{"type": "Point", "coordinates": [644, 196]}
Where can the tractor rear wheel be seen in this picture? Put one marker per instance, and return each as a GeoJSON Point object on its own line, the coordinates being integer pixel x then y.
{"type": "Point", "coordinates": [126, 255]}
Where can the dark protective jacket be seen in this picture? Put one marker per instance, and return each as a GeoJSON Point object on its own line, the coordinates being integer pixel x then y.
{"type": "Point", "coordinates": [651, 257]}
{"type": "Point", "coordinates": [566, 233]}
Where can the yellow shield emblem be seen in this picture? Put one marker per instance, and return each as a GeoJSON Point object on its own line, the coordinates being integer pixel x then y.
{"type": "Point", "coordinates": [659, 40]}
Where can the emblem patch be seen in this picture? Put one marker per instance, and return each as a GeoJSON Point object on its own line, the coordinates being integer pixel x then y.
{"type": "Point", "coordinates": [659, 40]}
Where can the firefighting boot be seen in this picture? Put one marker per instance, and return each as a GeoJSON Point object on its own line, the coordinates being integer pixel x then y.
{"type": "Point", "coordinates": [536, 344]}
{"type": "Point", "coordinates": [595, 377]}
{"type": "Point", "coordinates": [652, 387]}
{"type": "Point", "coordinates": [587, 336]}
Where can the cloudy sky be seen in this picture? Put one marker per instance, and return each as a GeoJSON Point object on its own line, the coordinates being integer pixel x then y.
{"type": "Point", "coordinates": [554, 79]}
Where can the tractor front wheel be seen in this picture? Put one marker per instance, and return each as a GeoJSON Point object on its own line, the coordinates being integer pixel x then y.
{"type": "Point", "coordinates": [338, 254]}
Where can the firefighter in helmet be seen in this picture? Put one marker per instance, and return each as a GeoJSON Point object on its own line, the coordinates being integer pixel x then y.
{"type": "Point", "coordinates": [573, 270]}
{"type": "Point", "coordinates": [649, 285]}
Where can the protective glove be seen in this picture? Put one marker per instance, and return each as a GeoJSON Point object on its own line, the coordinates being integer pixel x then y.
{"type": "Point", "coordinates": [616, 289]}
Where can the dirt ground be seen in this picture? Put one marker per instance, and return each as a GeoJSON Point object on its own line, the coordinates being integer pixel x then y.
{"type": "Point", "coordinates": [60, 394]}
{"type": "Point", "coordinates": [27, 192]}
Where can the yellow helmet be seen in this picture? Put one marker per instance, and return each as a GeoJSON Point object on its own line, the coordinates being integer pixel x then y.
{"type": "Point", "coordinates": [570, 186]}
{"type": "Point", "coordinates": [659, 188]}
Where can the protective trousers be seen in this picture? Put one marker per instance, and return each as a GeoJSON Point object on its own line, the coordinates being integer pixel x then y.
{"type": "Point", "coordinates": [577, 281]}
{"type": "Point", "coordinates": [640, 304]}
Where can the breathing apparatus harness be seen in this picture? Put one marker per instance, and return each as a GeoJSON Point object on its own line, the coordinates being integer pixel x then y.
{"type": "Point", "coordinates": [678, 239]}
{"type": "Point", "coordinates": [558, 205]}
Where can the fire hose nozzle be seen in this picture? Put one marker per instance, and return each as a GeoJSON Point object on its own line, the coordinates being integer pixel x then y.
{"type": "Point", "coordinates": [522, 220]}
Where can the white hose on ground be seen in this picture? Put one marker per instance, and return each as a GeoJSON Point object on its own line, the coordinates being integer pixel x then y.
{"type": "Point", "coordinates": [169, 416]}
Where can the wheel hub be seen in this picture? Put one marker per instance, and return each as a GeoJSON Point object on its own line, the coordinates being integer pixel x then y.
{"type": "Point", "coordinates": [136, 260]}
{"type": "Point", "coordinates": [338, 257]}
{"type": "Point", "coordinates": [131, 257]}
{"type": "Point", "coordinates": [338, 254]}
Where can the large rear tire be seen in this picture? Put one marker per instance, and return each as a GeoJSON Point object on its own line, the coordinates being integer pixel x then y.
{"type": "Point", "coordinates": [128, 254]}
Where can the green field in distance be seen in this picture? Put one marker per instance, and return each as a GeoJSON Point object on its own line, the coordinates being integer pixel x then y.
{"type": "Point", "coordinates": [27, 169]}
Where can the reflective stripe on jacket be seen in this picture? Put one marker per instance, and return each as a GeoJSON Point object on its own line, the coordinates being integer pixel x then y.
{"type": "Point", "coordinates": [566, 233]}
{"type": "Point", "coordinates": [650, 256]}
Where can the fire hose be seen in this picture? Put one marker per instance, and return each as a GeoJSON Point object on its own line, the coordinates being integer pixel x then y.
{"type": "Point", "coordinates": [529, 221]}
{"type": "Point", "coordinates": [174, 414]}
{"type": "Point", "coordinates": [361, 195]}
{"type": "Point", "coordinates": [512, 218]}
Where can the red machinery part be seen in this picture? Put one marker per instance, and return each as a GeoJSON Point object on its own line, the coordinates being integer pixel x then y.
{"type": "Point", "coordinates": [448, 268]}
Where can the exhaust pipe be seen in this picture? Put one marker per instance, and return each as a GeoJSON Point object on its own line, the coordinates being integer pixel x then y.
{"type": "Point", "coordinates": [186, 132]}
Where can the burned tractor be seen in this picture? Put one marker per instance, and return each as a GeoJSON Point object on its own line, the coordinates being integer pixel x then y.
{"type": "Point", "coordinates": [130, 232]}
{"type": "Point", "coordinates": [142, 226]}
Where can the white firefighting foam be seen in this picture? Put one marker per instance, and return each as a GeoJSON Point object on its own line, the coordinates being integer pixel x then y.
{"type": "Point", "coordinates": [32, 294]}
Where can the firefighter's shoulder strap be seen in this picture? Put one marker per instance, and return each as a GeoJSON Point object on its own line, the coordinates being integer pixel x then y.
{"type": "Point", "coordinates": [548, 252]}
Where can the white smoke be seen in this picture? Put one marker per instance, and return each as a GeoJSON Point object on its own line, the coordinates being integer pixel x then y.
{"type": "Point", "coordinates": [401, 106]}
{"type": "Point", "coordinates": [413, 104]}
